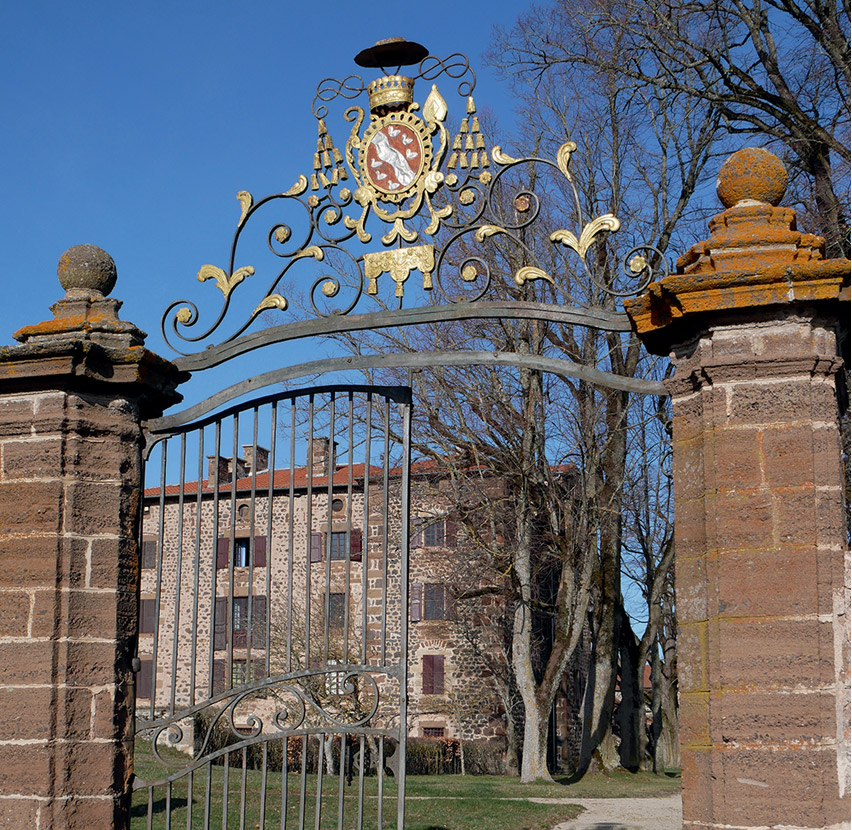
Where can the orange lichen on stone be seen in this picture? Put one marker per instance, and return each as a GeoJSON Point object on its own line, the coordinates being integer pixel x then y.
{"type": "Point", "coordinates": [754, 256]}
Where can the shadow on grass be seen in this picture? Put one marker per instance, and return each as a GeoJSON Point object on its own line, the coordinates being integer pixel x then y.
{"type": "Point", "coordinates": [158, 806]}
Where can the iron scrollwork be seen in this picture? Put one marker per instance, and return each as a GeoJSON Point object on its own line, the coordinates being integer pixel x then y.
{"type": "Point", "coordinates": [303, 703]}
{"type": "Point", "coordinates": [402, 171]}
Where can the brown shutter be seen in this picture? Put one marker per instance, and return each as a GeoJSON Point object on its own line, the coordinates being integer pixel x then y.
{"type": "Point", "coordinates": [449, 532]}
{"type": "Point", "coordinates": [218, 676]}
{"type": "Point", "coordinates": [149, 554]}
{"type": "Point", "coordinates": [438, 674]}
{"type": "Point", "coordinates": [260, 551]}
{"type": "Point", "coordinates": [416, 602]}
{"type": "Point", "coordinates": [428, 674]}
{"type": "Point", "coordinates": [147, 608]}
{"type": "Point", "coordinates": [417, 537]}
{"type": "Point", "coordinates": [144, 679]}
{"type": "Point", "coordinates": [355, 544]}
{"type": "Point", "coordinates": [316, 547]}
{"type": "Point", "coordinates": [220, 626]}
{"type": "Point", "coordinates": [258, 622]}
{"type": "Point", "coordinates": [222, 553]}
{"type": "Point", "coordinates": [450, 594]}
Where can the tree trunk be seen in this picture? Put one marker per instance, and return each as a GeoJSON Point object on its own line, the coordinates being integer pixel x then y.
{"type": "Point", "coordinates": [534, 760]}
{"type": "Point", "coordinates": [630, 714]}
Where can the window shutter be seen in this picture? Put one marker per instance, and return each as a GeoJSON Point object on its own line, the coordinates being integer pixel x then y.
{"type": "Point", "coordinates": [316, 547]}
{"type": "Point", "coordinates": [260, 551]}
{"type": "Point", "coordinates": [149, 554]}
{"type": "Point", "coordinates": [438, 674]}
{"type": "Point", "coordinates": [222, 553]}
{"type": "Point", "coordinates": [450, 594]}
{"type": "Point", "coordinates": [416, 602]}
{"type": "Point", "coordinates": [220, 624]}
{"type": "Point", "coordinates": [147, 607]}
{"type": "Point", "coordinates": [144, 679]}
{"type": "Point", "coordinates": [449, 532]}
{"type": "Point", "coordinates": [428, 674]}
{"type": "Point", "coordinates": [258, 622]}
{"type": "Point", "coordinates": [218, 676]}
{"type": "Point", "coordinates": [355, 544]}
{"type": "Point", "coordinates": [417, 537]}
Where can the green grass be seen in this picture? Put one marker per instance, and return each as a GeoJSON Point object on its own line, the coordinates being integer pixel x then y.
{"type": "Point", "coordinates": [613, 785]}
{"type": "Point", "coordinates": [424, 811]}
{"type": "Point", "coordinates": [434, 802]}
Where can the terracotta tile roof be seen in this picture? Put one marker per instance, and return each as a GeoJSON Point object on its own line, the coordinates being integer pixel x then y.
{"type": "Point", "coordinates": [281, 479]}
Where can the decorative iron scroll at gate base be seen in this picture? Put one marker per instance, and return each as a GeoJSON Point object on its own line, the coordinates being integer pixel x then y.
{"type": "Point", "coordinates": [271, 662]}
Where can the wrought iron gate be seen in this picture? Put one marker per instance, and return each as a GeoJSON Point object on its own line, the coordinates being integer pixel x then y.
{"type": "Point", "coordinates": [274, 584]}
{"type": "Point", "coordinates": [271, 669]}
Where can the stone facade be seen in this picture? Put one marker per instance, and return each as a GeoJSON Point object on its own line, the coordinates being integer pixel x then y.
{"type": "Point", "coordinates": [74, 393]}
{"type": "Point", "coordinates": [752, 320]}
{"type": "Point", "coordinates": [456, 628]}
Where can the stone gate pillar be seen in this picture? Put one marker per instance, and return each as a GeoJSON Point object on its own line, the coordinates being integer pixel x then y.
{"type": "Point", "coordinates": [71, 399]}
{"type": "Point", "coordinates": [762, 570]}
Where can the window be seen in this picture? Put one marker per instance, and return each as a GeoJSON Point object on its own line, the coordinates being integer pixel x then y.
{"type": "Point", "coordinates": [338, 545]}
{"type": "Point", "coordinates": [144, 679]}
{"type": "Point", "coordinates": [335, 683]}
{"type": "Point", "coordinates": [147, 616]}
{"type": "Point", "coordinates": [337, 505]}
{"type": "Point", "coordinates": [433, 532]}
{"type": "Point", "coordinates": [149, 554]}
{"type": "Point", "coordinates": [242, 672]}
{"type": "Point", "coordinates": [336, 610]}
{"type": "Point", "coordinates": [433, 535]}
{"type": "Point", "coordinates": [241, 552]}
{"type": "Point", "coordinates": [241, 628]}
{"type": "Point", "coordinates": [433, 674]}
{"type": "Point", "coordinates": [433, 731]}
{"type": "Point", "coordinates": [433, 602]}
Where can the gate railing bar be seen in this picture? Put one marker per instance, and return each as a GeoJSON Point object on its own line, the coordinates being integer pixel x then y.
{"type": "Point", "coordinates": [499, 309]}
{"type": "Point", "coordinates": [179, 568]}
{"type": "Point", "coordinates": [405, 497]}
{"type": "Point", "coordinates": [347, 588]}
{"type": "Point", "coordinates": [329, 464]}
{"type": "Point", "coordinates": [217, 443]}
{"type": "Point", "coordinates": [195, 600]}
{"type": "Point", "coordinates": [364, 561]}
{"type": "Point", "coordinates": [385, 531]}
{"type": "Point", "coordinates": [273, 433]}
{"type": "Point", "coordinates": [197, 575]}
{"type": "Point", "coordinates": [310, 526]}
{"type": "Point", "coordinates": [290, 527]}
{"type": "Point", "coordinates": [159, 579]}
{"type": "Point", "coordinates": [415, 360]}
{"type": "Point", "coordinates": [232, 544]}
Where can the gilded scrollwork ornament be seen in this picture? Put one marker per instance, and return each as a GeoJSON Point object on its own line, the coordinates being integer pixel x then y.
{"type": "Point", "coordinates": [400, 180]}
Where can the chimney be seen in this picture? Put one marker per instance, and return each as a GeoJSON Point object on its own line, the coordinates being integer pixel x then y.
{"type": "Point", "coordinates": [224, 465]}
{"type": "Point", "coordinates": [322, 464]}
{"type": "Point", "coordinates": [256, 458]}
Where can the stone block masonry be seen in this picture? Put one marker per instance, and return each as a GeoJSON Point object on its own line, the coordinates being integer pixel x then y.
{"type": "Point", "coordinates": [71, 400]}
{"type": "Point", "coordinates": [751, 321]}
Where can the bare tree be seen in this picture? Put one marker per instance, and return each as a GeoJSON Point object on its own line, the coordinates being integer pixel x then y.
{"type": "Point", "coordinates": [774, 69]}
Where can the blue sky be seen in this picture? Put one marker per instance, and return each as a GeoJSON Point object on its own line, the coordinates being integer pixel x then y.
{"type": "Point", "coordinates": [133, 126]}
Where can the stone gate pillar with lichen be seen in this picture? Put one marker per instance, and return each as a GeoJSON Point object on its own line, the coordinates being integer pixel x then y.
{"type": "Point", "coordinates": [72, 396]}
{"type": "Point", "coordinates": [751, 321]}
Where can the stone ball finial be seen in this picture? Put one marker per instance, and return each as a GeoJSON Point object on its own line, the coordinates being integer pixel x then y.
{"type": "Point", "coordinates": [87, 267]}
{"type": "Point", "coordinates": [754, 174]}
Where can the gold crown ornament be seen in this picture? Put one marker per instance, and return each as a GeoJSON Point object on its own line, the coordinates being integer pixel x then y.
{"type": "Point", "coordinates": [390, 91]}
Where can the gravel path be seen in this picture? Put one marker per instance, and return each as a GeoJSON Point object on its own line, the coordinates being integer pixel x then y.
{"type": "Point", "coordinates": [625, 814]}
